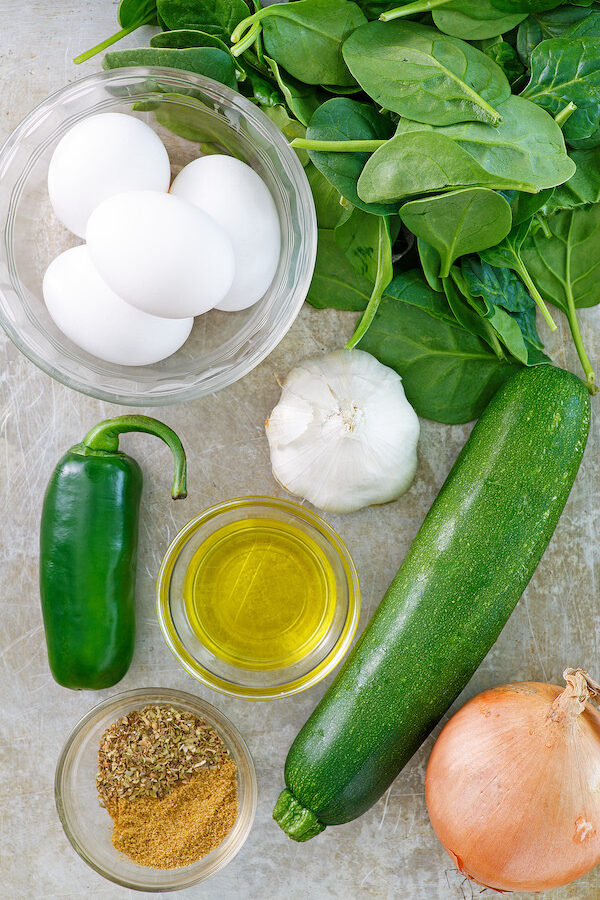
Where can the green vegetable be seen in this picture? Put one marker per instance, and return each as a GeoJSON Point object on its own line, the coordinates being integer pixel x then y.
{"type": "Point", "coordinates": [328, 200]}
{"type": "Point", "coordinates": [525, 152]}
{"type": "Point", "coordinates": [184, 38]}
{"type": "Point", "coordinates": [132, 15]}
{"type": "Point", "coordinates": [459, 222]}
{"type": "Point", "coordinates": [566, 267]}
{"type": "Point", "coordinates": [304, 37]}
{"type": "Point", "coordinates": [507, 254]}
{"type": "Point", "coordinates": [419, 73]}
{"type": "Point", "coordinates": [505, 56]}
{"type": "Point", "coordinates": [338, 120]}
{"type": "Point", "coordinates": [224, 14]}
{"type": "Point", "coordinates": [582, 188]}
{"type": "Point", "coordinates": [448, 373]}
{"type": "Point", "coordinates": [302, 100]}
{"type": "Point", "coordinates": [206, 61]}
{"type": "Point", "coordinates": [474, 20]}
{"type": "Point", "coordinates": [467, 568]}
{"type": "Point", "coordinates": [378, 267]}
{"type": "Point", "coordinates": [88, 547]}
{"type": "Point", "coordinates": [336, 282]}
{"type": "Point", "coordinates": [549, 24]}
{"type": "Point", "coordinates": [567, 71]}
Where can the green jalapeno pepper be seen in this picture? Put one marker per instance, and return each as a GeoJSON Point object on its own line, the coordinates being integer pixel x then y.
{"type": "Point", "coordinates": [88, 549]}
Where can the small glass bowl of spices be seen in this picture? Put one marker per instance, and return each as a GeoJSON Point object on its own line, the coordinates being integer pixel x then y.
{"type": "Point", "coordinates": [258, 597]}
{"type": "Point", "coordinates": [156, 789]}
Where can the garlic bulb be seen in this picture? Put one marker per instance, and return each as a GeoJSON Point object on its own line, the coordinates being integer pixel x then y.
{"type": "Point", "coordinates": [343, 434]}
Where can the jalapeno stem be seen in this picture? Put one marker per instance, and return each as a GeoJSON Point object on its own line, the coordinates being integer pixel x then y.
{"type": "Point", "coordinates": [104, 437]}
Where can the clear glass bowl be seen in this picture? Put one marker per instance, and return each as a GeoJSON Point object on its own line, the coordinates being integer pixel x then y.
{"type": "Point", "coordinates": [89, 827]}
{"type": "Point", "coordinates": [223, 347]}
{"type": "Point", "coordinates": [210, 669]}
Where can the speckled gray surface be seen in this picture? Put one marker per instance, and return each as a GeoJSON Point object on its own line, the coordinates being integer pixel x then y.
{"type": "Point", "coordinates": [390, 852]}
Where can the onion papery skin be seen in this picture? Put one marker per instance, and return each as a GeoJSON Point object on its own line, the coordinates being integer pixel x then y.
{"type": "Point", "coordinates": [513, 788]}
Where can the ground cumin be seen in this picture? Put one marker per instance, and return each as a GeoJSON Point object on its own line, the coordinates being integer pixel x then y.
{"type": "Point", "coordinates": [182, 827]}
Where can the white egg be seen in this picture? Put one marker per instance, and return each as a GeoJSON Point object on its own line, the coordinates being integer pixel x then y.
{"type": "Point", "coordinates": [101, 156]}
{"type": "Point", "coordinates": [91, 315]}
{"type": "Point", "coordinates": [238, 199]}
{"type": "Point", "coordinates": [161, 253]}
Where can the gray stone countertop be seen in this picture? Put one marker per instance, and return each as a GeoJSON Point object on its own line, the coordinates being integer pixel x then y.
{"type": "Point", "coordinates": [391, 852]}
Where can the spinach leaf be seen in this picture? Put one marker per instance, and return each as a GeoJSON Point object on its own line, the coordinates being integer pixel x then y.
{"type": "Point", "coordinates": [503, 295]}
{"type": "Point", "coordinates": [431, 264]}
{"type": "Point", "coordinates": [544, 25]}
{"type": "Point", "coordinates": [505, 56]}
{"type": "Point", "coordinates": [587, 26]}
{"type": "Point", "coordinates": [183, 38]}
{"type": "Point", "coordinates": [132, 15]}
{"type": "Point", "coordinates": [305, 37]}
{"type": "Point", "coordinates": [565, 71]}
{"type": "Point", "coordinates": [458, 222]}
{"type": "Point", "coordinates": [292, 128]}
{"type": "Point", "coordinates": [523, 206]}
{"type": "Point", "coordinates": [583, 188]}
{"type": "Point", "coordinates": [340, 119]}
{"type": "Point", "coordinates": [526, 6]}
{"type": "Point", "coordinates": [507, 254]}
{"type": "Point", "coordinates": [335, 282]}
{"type": "Point", "coordinates": [192, 120]}
{"type": "Point", "coordinates": [469, 318]}
{"type": "Point", "coordinates": [206, 61]}
{"type": "Point", "coordinates": [474, 20]}
{"type": "Point", "coordinates": [448, 374]}
{"type": "Point", "coordinates": [525, 152]}
{"type": "Point", "coordinates": [225, 14]}
{"type": "Point", "coordinates": [566, 267]}
{"type": "Point", "coordinates": [417, 72]}
{"type": "Point", "coordinates": [302, 100]}
{"type": "Point", "coordinates": [367, 243]}
{"type": "Point", "coordinates": [328, 200]}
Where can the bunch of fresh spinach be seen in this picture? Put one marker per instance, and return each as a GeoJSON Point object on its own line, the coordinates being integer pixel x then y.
{"type": "Point", "coordinates": [433, 137]}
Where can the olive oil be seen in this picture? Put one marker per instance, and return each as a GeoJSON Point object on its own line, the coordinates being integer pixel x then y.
{"type": "Point", "coordinates": [260, 593]}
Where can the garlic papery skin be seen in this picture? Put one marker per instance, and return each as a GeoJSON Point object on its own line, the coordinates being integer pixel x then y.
{"type": "Point", "coordinates": [343, 435]}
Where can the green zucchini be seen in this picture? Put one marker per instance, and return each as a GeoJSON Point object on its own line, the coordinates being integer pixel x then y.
{"type": "Point", "coordinates": [468, 565]}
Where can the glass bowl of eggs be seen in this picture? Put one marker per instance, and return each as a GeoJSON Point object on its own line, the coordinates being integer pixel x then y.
{"type": "Point", "coordinates": [159, 239]}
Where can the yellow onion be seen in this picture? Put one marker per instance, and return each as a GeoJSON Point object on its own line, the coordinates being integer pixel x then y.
{"type": "Point", "coordinates": [513, 785]}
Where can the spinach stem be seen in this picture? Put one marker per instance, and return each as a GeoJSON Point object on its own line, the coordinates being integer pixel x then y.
{"type": "Point", "coordinates": [561, 117]}
{"type": "Point", "coordinates": [249, 38]}
{"type": "Point", "coordinates": [536, 296]}
{"type": "Point", "coordinates": [83, 57]}
{"type": "Point", "coordinates": [576, 332]}
{"type": "Point", "coordinates": [544, 226]}
{"type": "Point", "coordinates": [410, 9]}
{"type": "Point", "coordinates": [337, 146]}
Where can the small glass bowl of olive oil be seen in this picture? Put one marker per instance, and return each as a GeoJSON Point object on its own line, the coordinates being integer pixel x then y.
{"type": "Point", "coordinates": [258, 597]}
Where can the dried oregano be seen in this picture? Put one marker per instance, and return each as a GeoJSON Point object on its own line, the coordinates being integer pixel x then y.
{"type": "Point", "coordinates": [150, 751]}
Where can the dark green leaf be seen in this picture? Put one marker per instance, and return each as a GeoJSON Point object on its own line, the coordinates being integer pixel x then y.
{"type": "Point", "coordinates": [582, 188]}
{"type": "Point", "coordinates": [207, 61]}
{"type": "Point", "coordinates": [302, 100]}
{"type": "Point", "coordinates": [523, 206]}
{"type": "Point", "coordinates": [448, 374]}
{"type": "Point", "coordinates": [474, 20]}
{"type": "Point", "coordinates": [505, 56]}
{"type": "Point", "coordinates": [501, 288]}
{"type": "Point", "coordinates": [471, 320]}
{"type": "Point", "coordinates": [459, 222]}
{"type": "Point", "coordinates": [306, 38]}
{"type": "Point", "coordinates": [544, 25]}
{"type": "Point", "coordinates": [431, 264]}
{"type": "Point", "coordinates": [225, 14]}
{"type": "Point", "coordinates": [417, 72]}
{"type": "Point", "coordinates": [328, 200]}
{"type": "Point", "coordinates": [587, 26]}
{"type": "Point", "coordinates": [358, 235]}
{"type": "Point", "coordinates": [136, 13]}
{"type": "Point", "coordinates": [566, 266]}
{"type": "Point", "coordinates": [340, 119]}
{"type": "Point", "coordinates": [525, 152]}
{"type": "Point", "coordinates": [525, 6]}
{"type": "Point", "coordinates": [335, 282]}
{"type": "Point", "coordinates": [564, 71]}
